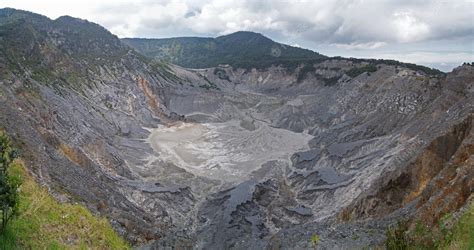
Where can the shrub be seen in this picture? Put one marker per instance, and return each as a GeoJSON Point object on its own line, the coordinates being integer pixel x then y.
{"type": "Point", "coordinates": [304, 70]}
{"type": "Point", "coordinates": [314, 240]}
{"type": "Point", "coordinates": [396, 238]}
{"type": "Point", "coordinates": [359, 70]}
{"type": "Point", "coordinates": [8, 183]}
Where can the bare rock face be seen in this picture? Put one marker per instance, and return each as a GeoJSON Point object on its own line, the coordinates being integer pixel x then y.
{"type": "Point", "coordinates": [234, 158]}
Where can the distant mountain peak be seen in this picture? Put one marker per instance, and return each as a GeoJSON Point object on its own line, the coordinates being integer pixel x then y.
{"type": "Point", "coordinates": [242, 33]}
{"type": "Point", "coordinates": [240, 49]}
{"type": "Point", "coordinates": [245, 37]}
{"type": "Point", "coordinates": [11, 14]}
{"type": "Point", "coordinates": [71, 19]}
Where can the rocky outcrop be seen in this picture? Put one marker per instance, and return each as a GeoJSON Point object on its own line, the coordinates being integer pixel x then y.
{"type": "Point", "coordinates": [452, 187]}
{"type": "Point", "coordinates": [415, 183]}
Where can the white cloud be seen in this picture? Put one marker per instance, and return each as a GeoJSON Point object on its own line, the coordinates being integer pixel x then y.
{"type": "Point", "coordinates": [408, 28]}
{"type": "Point", "coordinates": [360, 46]}
{"type": "Point", "coordinates": [350, 25]}
{"type": "Point", "coordinates": [430, 57]}
{"type": "Point", "coordinates": [343, 21]}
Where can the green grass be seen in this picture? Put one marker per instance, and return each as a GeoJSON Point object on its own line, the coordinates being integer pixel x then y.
{"type": "Point", "coordinates": [459, 236]}
{"type": "Point", "coordinates": [44, 223]}
{"type": "Point", "coordinates": [463, 231]}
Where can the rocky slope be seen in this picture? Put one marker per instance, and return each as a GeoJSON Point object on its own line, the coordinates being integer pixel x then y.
{"type": "Point", "coordinates": [227, 157]}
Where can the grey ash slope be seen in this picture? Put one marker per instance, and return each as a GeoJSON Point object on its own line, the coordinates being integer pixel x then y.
{"type": "Point", "coordinates": [92, 126]}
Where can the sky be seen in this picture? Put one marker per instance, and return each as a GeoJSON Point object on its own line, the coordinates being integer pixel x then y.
{"type": "Point", "coordinates": [434, 33]}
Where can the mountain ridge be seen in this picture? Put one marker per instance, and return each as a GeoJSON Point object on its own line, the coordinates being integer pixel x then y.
{"type": "Point", "coordinates": [238, 49]}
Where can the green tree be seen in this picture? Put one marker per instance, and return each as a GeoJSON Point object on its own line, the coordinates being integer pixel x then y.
{"type": "Point", "coordinates": [9, 184]}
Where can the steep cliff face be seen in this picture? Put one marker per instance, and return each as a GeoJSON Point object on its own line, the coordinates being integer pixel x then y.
{"type": "Point", "coordinates": [228, 157]}
{"type": "Point", "coordinates": [431, 169]}
{"type": "Point", "coordinates": [453, 186]}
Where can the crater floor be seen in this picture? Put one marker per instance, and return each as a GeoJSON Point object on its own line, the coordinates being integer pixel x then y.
{"type": "Point", "coordinates": [227, 151]}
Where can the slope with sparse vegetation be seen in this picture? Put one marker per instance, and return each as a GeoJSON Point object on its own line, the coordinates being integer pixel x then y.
{"type": "Point", "coordinates": [44, 223]}
{"type": "Point", "coordinates": [446, 235]}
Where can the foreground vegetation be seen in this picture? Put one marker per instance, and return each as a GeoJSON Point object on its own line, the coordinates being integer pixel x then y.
{"type": "Point", "coordinates": [8, 183]}
{"type": "Point", "coordinates": [44, 223]}
{"type": "Point", "coordinates": [463, 231]}
{"type": "Point", "coordinates": [443, 236]}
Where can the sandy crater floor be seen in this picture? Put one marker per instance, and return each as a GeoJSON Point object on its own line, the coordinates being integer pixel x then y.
{"type": "Point", "coordinates": [226, 151]}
